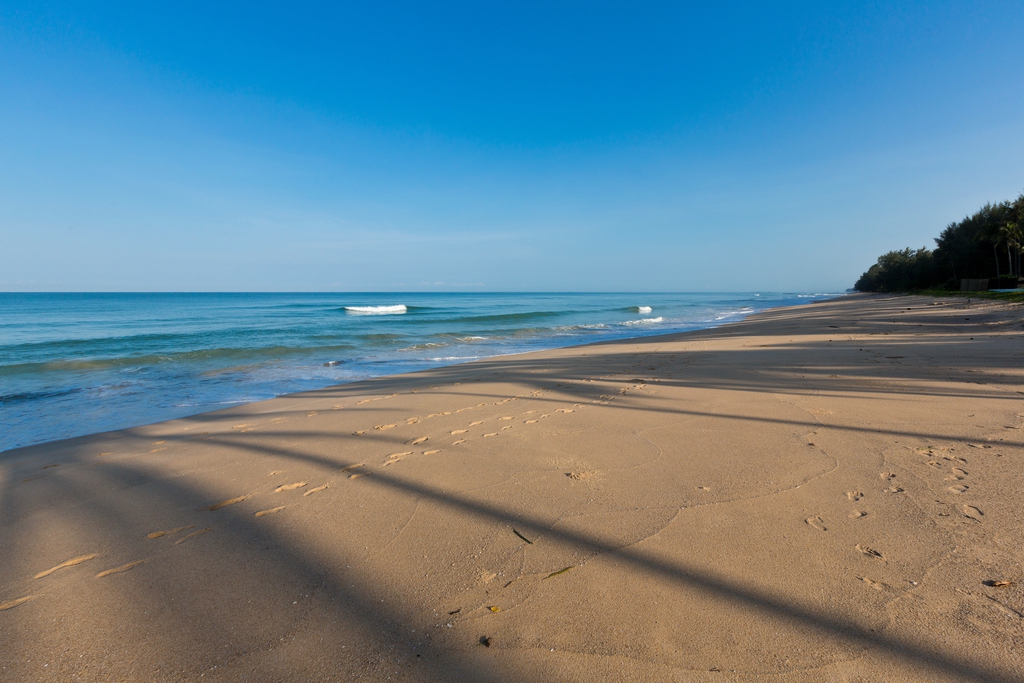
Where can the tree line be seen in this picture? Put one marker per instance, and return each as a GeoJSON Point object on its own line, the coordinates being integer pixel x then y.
{"type": "Point", "coordinates": [986, 244]}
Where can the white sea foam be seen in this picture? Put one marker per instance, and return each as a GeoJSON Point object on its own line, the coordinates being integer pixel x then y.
{"type": "Point", "coordinates": [376, 310]}
{"type": "Point", "coordinates": [467, 339]}
{"type": "Point", "coordinates": [643, 309]}
{"type": "Point", "coordinates": [423, 346]}
{"type": "Point", "coordinates": [730, 314]}
{"type": "Point", "coordinates": [644, 321]}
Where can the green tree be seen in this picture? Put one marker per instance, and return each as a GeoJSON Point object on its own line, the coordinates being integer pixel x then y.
{"type": "Point", "coordinates": [899, 271]}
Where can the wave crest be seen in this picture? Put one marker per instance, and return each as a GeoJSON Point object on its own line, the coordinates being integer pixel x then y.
{"type": "Point", "coordinates": [376, 310]}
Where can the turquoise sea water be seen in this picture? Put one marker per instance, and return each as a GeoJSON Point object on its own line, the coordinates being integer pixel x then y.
{"type": "Point", "coordinates": [74, 364]}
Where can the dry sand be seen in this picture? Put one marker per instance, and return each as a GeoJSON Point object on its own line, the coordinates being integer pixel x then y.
{"type": "Point", "coordinates": [813, 494]}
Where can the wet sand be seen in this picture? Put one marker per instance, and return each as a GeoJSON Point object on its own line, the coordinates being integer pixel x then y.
{"type": "Point", "coordinates": [823, 493]}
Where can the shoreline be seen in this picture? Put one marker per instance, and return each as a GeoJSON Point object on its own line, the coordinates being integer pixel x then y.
{"type": "Point", "coordinates": [573, 344]}
{"type": "Point", "coordinates": [814, 492]}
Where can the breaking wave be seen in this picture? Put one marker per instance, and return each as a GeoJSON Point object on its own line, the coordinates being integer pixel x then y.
{"type": "Point", "coordinates": [376, 310]}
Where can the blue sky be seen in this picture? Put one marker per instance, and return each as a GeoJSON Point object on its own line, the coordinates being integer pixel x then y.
{"type": "Point", "coordinates": [548, 146]}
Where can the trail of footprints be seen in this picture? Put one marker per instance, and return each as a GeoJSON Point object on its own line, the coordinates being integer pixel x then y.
{"type": "Point", "coordinates": [942, 460]}
{"type": "Point", "coordinates": [855, 496]}
{"type": "Point", "coordinates": [463, 434]}
{"type": "Point", "coordinates": [858, 512]}
{"type": "Point", "coordinates": [187, 533]}
{"type": "Point", "coordinates": [179, 532]}
{"type": "Point", "coordinates": [396, 457]}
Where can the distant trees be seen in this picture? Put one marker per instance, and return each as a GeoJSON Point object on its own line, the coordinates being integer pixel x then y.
{"type": "Point", "coordinates": [985, 244]}
{"type": "Point", "coordinates": [898, 271]}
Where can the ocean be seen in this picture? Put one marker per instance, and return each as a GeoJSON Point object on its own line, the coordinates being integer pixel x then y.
{"type": "Point", "coordinates": [75, 364]}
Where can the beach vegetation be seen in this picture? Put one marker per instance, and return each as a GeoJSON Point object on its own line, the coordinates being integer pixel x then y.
{"type": "Point", "coordinates": [984, 245]}
{"type": "Point", "coordinates": [898, 271]}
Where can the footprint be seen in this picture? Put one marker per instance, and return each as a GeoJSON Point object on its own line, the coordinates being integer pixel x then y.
{"type": "Point", "coordinates": [959, 488]}
{"type": "Point", "coordinates": [703, 488]}
{"type": "Point", "coordinates": [817, 523]}
{"type": "Point", "coordinates": [351, 468]}
{"type": "Point", "coordinates": [530, 422]}
{"type": "Point", "coordinates": [395, 457]}
{"type": "Point", "coordinates": [270, 474]}
{"type": "Point", "coordinates": [122, 568]}
{"type": "Point", "coordinates": [491, 434]}
{"type": "Point", "coordinates": [157, 443]}
{"type": "Point", "coordinates": [456, 443]}
{"type": "Point", "coordinates": [506, 418]}
{"type": "Point", "coordinates": [290, 487]}
{"type": "Point", "coordinates": [854, 495]}
{"type": "Point", "coordinates": [870, 552]}
{"type": "Point", "coordinates": [311, 413]}
{"type": "Point", "coordinates": [434, 452]}
{"type": "Point", "coordinates": [959, 472]}
{"type": "Point", "coordinates": [508, 427]}
{"type": "Point", "coordinates": [169, 532]}
{"type": "Point", "coordinates": [564, 410]}
{"type": "Point", "coordinates": [459, 431]}
{"type": "Point", "coordinates": [225, 503]}
{"type": "Point", "coordinates": [312, 491]}
{"type": "Point", "coordinates": [474, 424]}
{"type": "Point", "coordinates": [67, 563]}
{"type": "Point", "coordinates": [193, 535]}
{"type": "Point", "coordinates": [11, 604]}
{"type": "Point", "coordinates": [887, 475]}
{"type": "Point", "coordinates": [857, 514]}
{"type": "Point", "coordinates": [416, 442]}
{"type": "Point", "coordinates": [357, 475]}
{"type": "Point", "coordinates": [973, 512]}
{"type": "Point", "coordinates": [269, 511]}
{"type": "Point", "coordinates": [412, 421]}
{"type": "Point", "coordinates": [877, 585]}
{"type": "Point", "coordinates": [381, 428]}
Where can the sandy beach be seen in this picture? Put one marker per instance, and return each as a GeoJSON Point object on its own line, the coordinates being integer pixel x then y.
{"type": "Point", "coordinates": [831, 492]}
